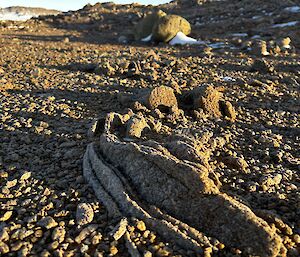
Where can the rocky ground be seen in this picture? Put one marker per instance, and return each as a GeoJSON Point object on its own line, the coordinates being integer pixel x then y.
{"type": "Point", "coordinates": [57, 76]}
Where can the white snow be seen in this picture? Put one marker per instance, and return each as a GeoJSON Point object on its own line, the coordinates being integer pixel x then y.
{"type": "Point", "coordinates": [228, 79]}
{"type": "Point", "coordinates": [147, 39]}
{"type": "Point", "coordinates": [287, 24]}
{"type": "Point", "coordinates": [13, 16]}
{"type": "Point", "coordinates": [292, 9]}
{"type": "Point", "coordinates": [239, 35]}
{"type": "Point", "coordinates": [217, 45]}
{"type": "Point", "coordinates": [182, 39]}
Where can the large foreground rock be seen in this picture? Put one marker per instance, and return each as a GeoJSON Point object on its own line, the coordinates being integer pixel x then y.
{"type": "Point", "coordinates": [175, 197]}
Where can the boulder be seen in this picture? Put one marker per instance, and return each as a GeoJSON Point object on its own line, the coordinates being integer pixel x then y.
{"type": "Point", "coordinates": [168, 26]}
{"type": "Point", "coordinates": [144, 28]}
{"type": "Point", "coordinates": [162, 96]}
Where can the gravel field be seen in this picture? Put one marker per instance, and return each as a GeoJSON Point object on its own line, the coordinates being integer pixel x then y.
{"type": "Point", "coordinates": [55, 82]}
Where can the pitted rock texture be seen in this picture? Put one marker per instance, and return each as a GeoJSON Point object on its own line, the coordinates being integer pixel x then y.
{"type": "Point", "coordinates": [210, 100]}
{"type": "Point", "coordinates": [144, 27]}
{"type": "Point", "coordinates": [144, 180]}
{"type": "Point", "coordinates": [168, 27]}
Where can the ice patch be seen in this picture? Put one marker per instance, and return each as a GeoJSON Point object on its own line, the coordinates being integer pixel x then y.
{"type": "Point", "coordinates": [182, 39]}
{"type": "Point", "coordinates": [292, 9]}
{"type": "Point", "coordinates": [147, 39]}
{"type": "Point", "coordinates": [287, 24]}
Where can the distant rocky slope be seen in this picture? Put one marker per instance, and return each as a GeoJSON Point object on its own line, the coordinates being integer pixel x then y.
{"type": "Point", "coordinates": [209, 19]}
{"type": "Point", "coordinates": [24, 13]}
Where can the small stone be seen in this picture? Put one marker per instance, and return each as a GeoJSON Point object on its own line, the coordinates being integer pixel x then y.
{"type": "Point", "coordinates": [168, 26]}
{"type": "Point", "coordinates": [161, 97]}
{"type": "Point", "coordinates": [3, 248]}
{"type": "Point", "coordinates": [45, 253]}
{"type": "Point", "coordinates": [286, 43]}
{"type": "Point", "coordinates": [47, 222]}
{"type": "Point", "coordinates": [207, 98]}
{"type": "Point", "coordinates": [228, 110]}
{"type": "Point", "coordinates": [136, 126]}
{"type": "Point", "coordinates": [235, 162]}
{"type": "Point", "coordinates": [4, 236]}
{"type": "Point", "coordinates": [58, 234]}
{"type": "Point", "coordinates": [262, 66]}
{"type": "Point", "coordinates": [120, 229]}
{"type": "Point", "coordinates": [84, 214]}
{"type": "Point", "coordinates": [147, 254]}
{"type": "Point", "coordinates": [26, 175]}
{"type": "Point", "coordinates": [11, 183]}
{"type": "Point", "coordinates": [141, 225]}
{"type": "Point", "coordinates": [113, 250]}
{"type": "Point", "coordinates": [53, 245]}
{"type": "Point", "coordinates": [96, 239]}
{"type": "Point", "coordinates": [6, 216]}
{"type": "Point", "coordinates": [86, 232]}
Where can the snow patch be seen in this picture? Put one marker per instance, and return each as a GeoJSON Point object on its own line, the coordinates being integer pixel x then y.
{"type": "Point", "coordinates": [182, 39]}
{"type": "Point", "coordinates": [147, 39]}
{"type": "Point", "coordinates": [13, 16]}
{"type": "Point", "coordinates": [292, 9]}
{"type": "Point", "coordinates": [287, 24]}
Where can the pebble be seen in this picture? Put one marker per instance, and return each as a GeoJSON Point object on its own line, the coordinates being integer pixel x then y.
{"type": "Point", "coordinates": [58, 234]}
{"type": "Point", "coordinates": [47, 222]}
{"type": "Point", "coordinates": [84, 214]}
{"type": "Point", "coordinates": [6, 216]}
{"type": "Point", "coordinates": [141, 225]}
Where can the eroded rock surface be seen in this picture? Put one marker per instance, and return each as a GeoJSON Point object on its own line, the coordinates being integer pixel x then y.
{"type": "Point", "coordinates": [174, 196]}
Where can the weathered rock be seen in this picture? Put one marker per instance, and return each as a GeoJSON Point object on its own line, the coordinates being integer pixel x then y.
{"type": "Point", "coordinates": [120, 229]}
{"type": "Point", "coordinates": [86, 232]}
{"type": "Point", "coordinates": [84, 214]}
{"type": "Point", "coordinates": [4, 248]}
{"type": "Point", "coordinates": [144, 28]}
{"type": "Point", "coordinates": [47, 222]}
{"type": "Point", "coordinates": [182, 189]}
{"type": "Point", "coordinates": [5, 216]}
{"type": "Point", "coordinates": [135, 126]}
{"type": "Point", "coordinates": [168, 27]}
{"type": "Point", "coordinates": [58, 234]}
{"type": "Point", "coordinates": [4, 236]}
{"type": "Point", "coordinates": [161, 97]}
{"type": "Point", "coordinates": [210, 100]}
{"type": "Point", "coordinates": [228, 110]}
{"type": "Point", "coordinates": [260, 48]}
{"type": "Point", "coordinates": [235, 162]}
{"type": "Point", "coordinates": [141, 225]}
{"type": "Point", "coordinates": [262, 66]}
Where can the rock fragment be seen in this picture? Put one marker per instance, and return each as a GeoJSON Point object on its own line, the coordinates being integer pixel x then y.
{"type": "Point", "coordinates": [228, 110]}
{"type": "Point", "coordinates": [84, 214]}
{"type": "Point", "coordinates": [47, 222]}
{"type": "Point", "coordinates": [168, 27]}
{"type": "Point", "coordinates": [58, 234]}
{"type": "Point", "coordinates": [261, 65]}
{"type": "Point", "coordinates": [161, 97]}
{"type": "Point", "coordinates": [120, 229]}
{"type": "Point", "coordinates": [135, 126]}
{"type": "Point", "coordinates": [6, 216]}
{"type": "Point", "coordinates": [144, 28]}
{"type": "Point", "coordinates": [86, 232]}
